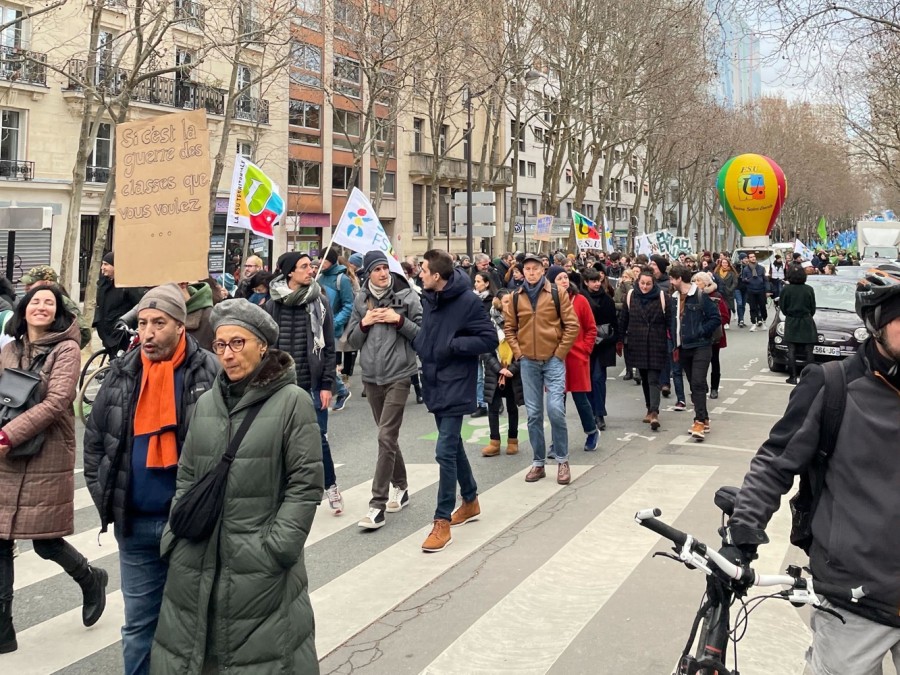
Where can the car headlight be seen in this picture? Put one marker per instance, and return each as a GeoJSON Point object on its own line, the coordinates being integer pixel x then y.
{"type": "Point", "coordinates": [861, 334]}
{"type": "Point", "coordinates": [779, 328]}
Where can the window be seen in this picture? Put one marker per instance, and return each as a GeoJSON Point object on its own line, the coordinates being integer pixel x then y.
{"type": "Point", "coordinates": [568, 176]}
{"type": "Point", "coordinates": [304, 114]}
{"type": "Point", "coordinates": [346, 14]}
{"type": "Point", "coordinates": [568, 209]}
{"type": "Point", "coordinates": [389, 186]}
{"type": "Point", "coordinates": [309, 6]}
{"type": "Point", "coordinates": [9, 135]}
{"type": "Point", "coordinates": [417, 134]}
{"type": "Point", "coordinates": [523, 206]}
{"type": "Point", "coordinates": [245, 149]}
{"type": "Point", "coordinates": [386, 87]}
{"type": "Point", "coordinates": [532, 170]}
{"type": "Point", "coordinates": [11, 36]}
{"type": "Point", "coordinates": [517, 131]}
{"type": "Point", "coordinates": [521, 167]}
{"type": "Point", "coordinates": [442, 140]}
{"type": "Point", "coordinates": [306, 139]}
{"type": "Point", "coordinates": [615, 190]}
{"type": "Point", "coordinates": [347, 77]}
{"type": "Point", "coordinates": [101, 155]}
{"type": "Point", "coordinates": [532, 207]}
{"type": "Point", "coordinates": [340, 178]}
{"type": "Point", "coordinates": [304, 174]}
{"type": "Point", "coordinates": [306, 64]}
{"type": "Point", "coordinates": [589, 211]}
{"type": "Point", "coordinates": [381, 130]}
{"type": "Point", "coordinates": [346, 123]}
{"type": "Point", "coordinates": [538, 134]}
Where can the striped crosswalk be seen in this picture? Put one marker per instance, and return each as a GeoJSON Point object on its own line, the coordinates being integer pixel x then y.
{"type": "Point", "coordinates": [599, 556]}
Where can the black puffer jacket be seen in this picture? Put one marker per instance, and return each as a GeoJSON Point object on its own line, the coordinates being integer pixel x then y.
{"type": "Point", "coordinates": [108, 435]}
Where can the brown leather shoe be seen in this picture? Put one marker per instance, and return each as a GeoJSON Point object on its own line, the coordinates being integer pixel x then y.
{"type": "Point", "coordinates": [492, 449]}
{"type": "Point", "coordinates": [467, 511]}
{"type": "Point", "coordinates": [439, 539]}
{"type": "Point", "coordinates": [654, 421]}
{"type": "Point", "coordinates": [563, 475]}
{"type": "Point", "coordinates": [535, 474]}
{"type": "Point", "coordinates": [512, 446]}
{"type": "Point", "coordinates": [648, 417]}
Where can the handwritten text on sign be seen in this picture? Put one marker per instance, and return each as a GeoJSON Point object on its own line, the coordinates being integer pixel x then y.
{"type": "Point", "coordinates": [162, 199]}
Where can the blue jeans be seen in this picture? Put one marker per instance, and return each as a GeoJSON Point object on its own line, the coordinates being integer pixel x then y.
{"type": "Point", "coordinates": [143, 581]}
{"type": "Point", "coordinates": [582, 402]}
{"type": "Point", "coordinates": [322, 419]}
{"type": "Point", "coordinates": [341, 388]}
{"type": "Point", "coordinates": [741, 304]}
{"type": "Point", "coordinates": [598, 387]}
{"type": "Point", "coordinates": [479, 387]}
{"type": "Point", "coordinates": [535, 376]}
{"type": "Point", "coordinates": [454, 466]}
{"type": "Point", "coordinates": [672, 371]}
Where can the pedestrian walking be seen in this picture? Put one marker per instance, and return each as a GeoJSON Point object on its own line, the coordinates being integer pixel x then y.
{"type": "Point", "coordinates": [578, 360]}
{"type": "Point", "coordinates": [305, 331]}
{"type": "Point", "coordinates": [132, 442]}
{"type": "Point", "coordinates": [727, 282]}
{"type": "Point", "coordinates": [336, 284]}
{"type": "Point", "coordinates": [455, 332]}
{"type": "Point", "coordinates": [692, 324]}
{"type": "Point", "coordinates": [502, 384]}
{"type": "Point", "coordinates": [603, 353]}
{"type": "Point", "coordinates": [626, 283]}
{"type": "Point", "coordinates": [238, 599]}
{"type": "Point", "coordinates": [37, 491]}
{"type": "Point", "coordinates": [386, 317]}
{"type": "Point", "coordinates": [754, 276]}
{"type": "Point", "coordinates": [798, 304]}
{"type": "Point", "coordinates": [643, 327]}
{"type": "Point", "coordinates": [344, 357]}
{"type": "Point", "coordinates": [706, 284]}
{"type": "Point", "coordinates": [541, 327]}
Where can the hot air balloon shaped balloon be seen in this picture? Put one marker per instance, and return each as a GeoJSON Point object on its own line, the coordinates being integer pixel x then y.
{"type": "Point", "coordinates": [752, 191]}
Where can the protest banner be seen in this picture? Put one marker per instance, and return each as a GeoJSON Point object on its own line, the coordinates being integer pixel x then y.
{"type": "Point", "coordinates": [543, 227]}
{"type": "Point", "coordinates": [162, 200]}
{"type": "Point", "coordinates": [587, 236]}
{"type": "Point", "coordinates": [360, 230]}
{"type": "Point", "coordinates": [254, 202]}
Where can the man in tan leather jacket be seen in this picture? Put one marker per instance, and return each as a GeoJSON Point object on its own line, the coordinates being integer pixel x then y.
{"type": "Point", "coordinates": [541, 327]}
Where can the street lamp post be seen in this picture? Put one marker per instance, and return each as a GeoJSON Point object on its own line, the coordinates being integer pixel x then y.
{"type": "Point", "coordinates": [469, 233]}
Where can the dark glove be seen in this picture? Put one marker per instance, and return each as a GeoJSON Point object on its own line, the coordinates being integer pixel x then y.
{"type": "Point", "coordinates": [121, 327]}
{"type": "Point", "coordinates": [739, 556]}
{"type": "Point", "coordinates": [619, 348]}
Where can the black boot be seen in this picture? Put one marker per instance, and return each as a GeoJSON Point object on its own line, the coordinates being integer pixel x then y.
{"type": "Point", "coordinates": [601, 423]}
{"type": "Point", "coordinates": [7, 632]}
{"type": "Point", "coordinates": [93, 586]}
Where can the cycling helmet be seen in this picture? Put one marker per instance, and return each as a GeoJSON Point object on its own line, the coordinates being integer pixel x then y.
{"type": "Point", "coordinates": [879, 286]}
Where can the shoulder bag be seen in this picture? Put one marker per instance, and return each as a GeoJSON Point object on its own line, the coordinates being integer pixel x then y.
{"type": "Point", "coordinates": [195, 515]}
{"type": "Point", "coordinates": [20, 391]}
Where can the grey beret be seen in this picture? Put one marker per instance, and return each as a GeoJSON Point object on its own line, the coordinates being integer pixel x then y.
{"type": "Point", "coordinates": [245, 314]}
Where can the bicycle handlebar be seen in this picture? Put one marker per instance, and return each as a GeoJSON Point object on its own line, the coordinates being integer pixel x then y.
{"type": "Point", "coordinates": [695, 553]}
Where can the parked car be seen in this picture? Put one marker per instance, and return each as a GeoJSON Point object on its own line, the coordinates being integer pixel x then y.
{"type": "Point", "coordinates": [840, 330]}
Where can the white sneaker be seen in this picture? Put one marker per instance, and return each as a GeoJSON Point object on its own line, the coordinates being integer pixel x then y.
{"type": "Point", "coordinates": [335, 501]}
{"type": "Point", "coordinates": [753, 328]}
{"type": "Point", "coordinates": [374, 520]}
{"type": "Point", "coordinates": [399, 499]}
{"type": "Point", "coordinates": [726, 326]}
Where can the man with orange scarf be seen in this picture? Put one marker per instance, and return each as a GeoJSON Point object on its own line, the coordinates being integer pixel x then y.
{"type": "Point", "coordinates": [131, 447]}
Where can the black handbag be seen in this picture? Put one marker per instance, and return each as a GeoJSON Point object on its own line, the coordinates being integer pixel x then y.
{"type": "Point", "coordinates": [20, 391]}
{"type": "Point", "coordinates": [195, 515]}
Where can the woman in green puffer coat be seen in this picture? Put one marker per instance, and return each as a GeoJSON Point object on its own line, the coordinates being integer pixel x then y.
{"type": "Point", "coordinates": [239, 602]}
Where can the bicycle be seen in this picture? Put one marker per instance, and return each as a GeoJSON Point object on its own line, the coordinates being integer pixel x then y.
{"type": "Point", "coordinates": [95, 370]}
{"type": "Point", "coordinates": [726, 582]}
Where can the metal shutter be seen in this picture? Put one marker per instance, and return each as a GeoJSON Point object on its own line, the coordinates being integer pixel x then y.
{"type": "Point", "coordinates": [32, 249]}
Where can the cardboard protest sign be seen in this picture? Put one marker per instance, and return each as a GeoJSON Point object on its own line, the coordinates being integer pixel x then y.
{"type": "Point", "coordinates": [542, 230]}
{"type": "Point", "coordinates": [162, 200]}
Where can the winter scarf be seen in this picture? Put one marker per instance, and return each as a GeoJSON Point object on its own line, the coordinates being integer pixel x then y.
{"type": "Point", "coordinates": [311, 297]}
{"type": "Point", "coordinates": [156, 413]}
{"type": "Point", "coordinates": [379, 293]}
{"type": "Point", "coordinates": [534, 291]}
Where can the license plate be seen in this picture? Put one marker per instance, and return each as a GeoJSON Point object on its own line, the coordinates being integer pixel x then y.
{"type": "Point", "coordinates": [827, 351]}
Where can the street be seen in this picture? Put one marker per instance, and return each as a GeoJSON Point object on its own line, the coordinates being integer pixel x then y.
{"type": "Point", "coordinates": [551, 579]}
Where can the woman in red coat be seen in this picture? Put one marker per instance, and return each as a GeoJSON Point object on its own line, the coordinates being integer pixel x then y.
{"type": "Point", "coordinates": [578, 361]}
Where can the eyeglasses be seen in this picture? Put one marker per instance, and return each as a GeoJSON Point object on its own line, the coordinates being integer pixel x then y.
{"type": "Point", "coordinates": [235, 344]}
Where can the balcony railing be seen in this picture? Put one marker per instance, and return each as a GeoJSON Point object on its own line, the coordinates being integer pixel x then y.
{"type": "Point", "coordinates": [117, 4]}
{"type": "Point", "coordinates": [251, 31]}
{"type": "Point", "coordinates": [190, 13]}
{"type": "Point", "coordinates": [97, 174]}
{"type": "Point", "coordinates": [13, 169]}
{"type": "Point", "coordinates": [251, 109]}
{"type": "Point", "coordinates": [21, 65]}
{"type": "Point", "coordinates": [163, 91]}
{"type": "Point", "coordinates": [454, 170]}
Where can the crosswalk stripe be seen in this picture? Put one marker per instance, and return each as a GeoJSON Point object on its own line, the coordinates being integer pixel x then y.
{"type": "Point", "coordinates": [83, 499]}
{"type": "Point", "coordinates": [611, 543]}
{"type": "Point", "coordinates": [371, 589]}
{"type": "Point", "coordinates": [31, 569]}
{"type": "Point", "coordinates": [356, 502]}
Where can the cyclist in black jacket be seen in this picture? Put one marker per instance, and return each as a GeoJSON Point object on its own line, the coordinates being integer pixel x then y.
{"type": "Point", "coordinates": [856, 526]}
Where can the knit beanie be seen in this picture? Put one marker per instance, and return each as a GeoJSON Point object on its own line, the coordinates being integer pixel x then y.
{"type": "Point", "coordinates": [554, 271]}
{"type": "Point", "coordinates": [356, 260]}
{"type": "Point", "coordinates": [244, 314]}
{"type": "Point", "coordinates": [167, 298]}
{"type": "Point", "coordinates": [108, 259]}
{"type": "Point", "coordinates": [288, 261]}
{"type": "Point", "coordinates": [661, 263]}
{"type": "Point", "coordinates": [372, 260]}
{"type": "Point", "coordinates": [331, 256]}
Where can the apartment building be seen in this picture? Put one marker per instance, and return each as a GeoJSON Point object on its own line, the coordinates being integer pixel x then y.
{"type": "Point", "coordinates": [43, 68]}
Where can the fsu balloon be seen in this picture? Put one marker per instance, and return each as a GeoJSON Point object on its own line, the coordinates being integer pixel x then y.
{"type": "Point", "coordinates": [752, 191]}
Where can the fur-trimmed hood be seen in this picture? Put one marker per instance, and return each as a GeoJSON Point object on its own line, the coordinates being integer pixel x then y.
{"type": "Point", "coordinates": [275, 366]}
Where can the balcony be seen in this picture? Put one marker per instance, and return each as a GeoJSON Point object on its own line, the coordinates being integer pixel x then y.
{"type": "Point", "coordinates": [163, 91]}
{"type": "Point", "coordinates": [190, 13]}
{"type": "Point", "coordinates": [454, 170]}
{"type": "Point", "coordinates": [20, 65]}
{"type": "Point", "coordinates": [13, 169]}
{"type": "Point", "coordinates": [251, 31]}
{"type": "Point", "coordinates": [251, 109]}
{"type": "Point", "coordinates": [97, 174]}
{"type": "Point", "coordinates": [118, 5]}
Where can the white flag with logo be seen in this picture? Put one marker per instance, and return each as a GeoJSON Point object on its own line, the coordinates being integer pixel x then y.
{"type": "Point", "coordinates": [360, 230]}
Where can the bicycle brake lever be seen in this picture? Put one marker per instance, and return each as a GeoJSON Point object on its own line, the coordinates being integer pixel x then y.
{"type": "Point", "coordinates": [667, 555]}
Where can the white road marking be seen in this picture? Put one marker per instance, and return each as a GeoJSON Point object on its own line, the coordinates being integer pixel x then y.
{"type": "Point", "coordinates": [687, 440]}
{"type": "Point", "coordinates": [594, 571]}
{"type": "Point", "coordinates": [740, 392]}
{"type": "Point", "coordinates": [730, 401]}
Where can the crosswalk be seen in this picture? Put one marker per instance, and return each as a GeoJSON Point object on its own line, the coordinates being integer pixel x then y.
{"type": "Point", "coordinates": [600, 558]}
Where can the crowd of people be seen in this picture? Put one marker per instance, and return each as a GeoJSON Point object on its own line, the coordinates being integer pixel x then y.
{"type": "Point", "coordinates": [475, 337]}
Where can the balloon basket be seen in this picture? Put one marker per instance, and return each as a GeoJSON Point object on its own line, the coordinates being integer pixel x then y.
{"type": "Point", "coordinates": [756, 242]}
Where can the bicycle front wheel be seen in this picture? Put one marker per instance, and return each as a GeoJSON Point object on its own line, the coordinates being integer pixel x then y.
{"type": "Point", "coordinates": [88, 392]}
{"type": "Point", "coordinates": [96, 361]}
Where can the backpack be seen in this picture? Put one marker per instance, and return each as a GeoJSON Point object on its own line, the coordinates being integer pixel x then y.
{"type": "Point", "coordinates": [554, 291]}
{"type": "Point", "coordinates": [662, 300]}
{"type": "Point", "coordinates": [805, 502]}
